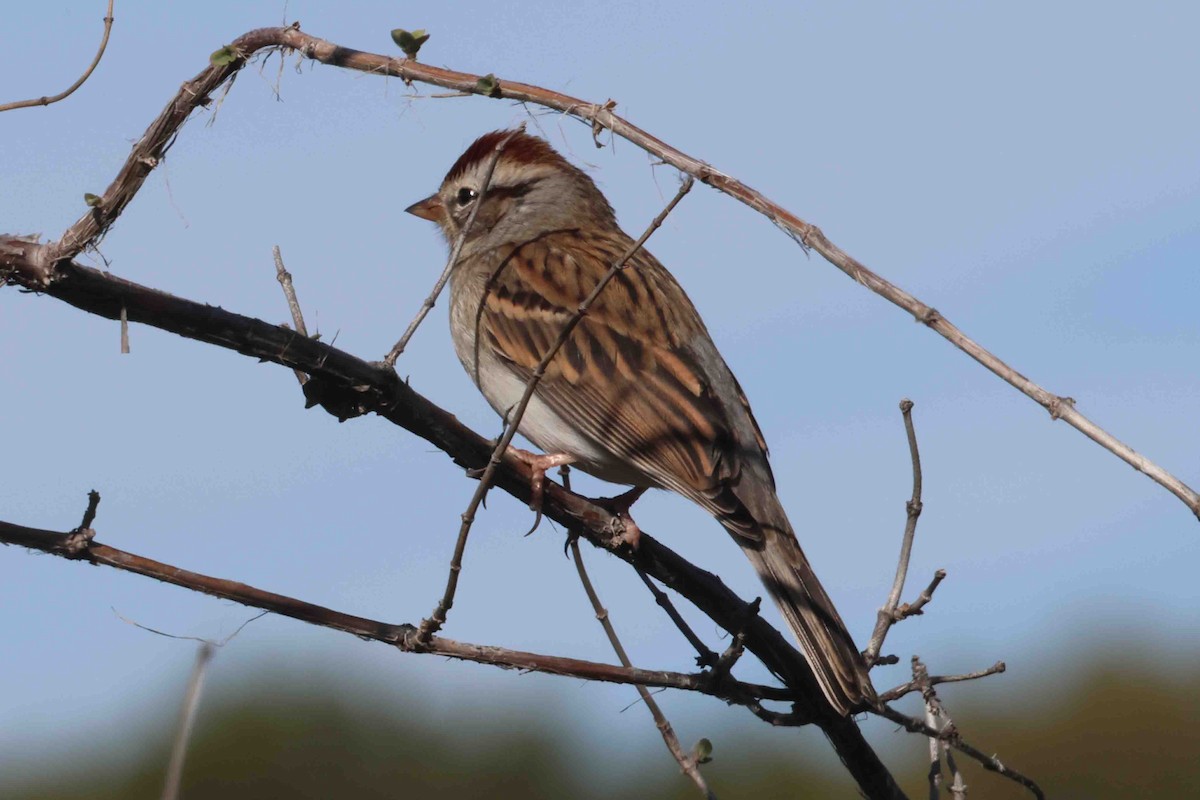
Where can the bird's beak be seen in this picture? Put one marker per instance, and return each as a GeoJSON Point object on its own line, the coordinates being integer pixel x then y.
{"type": "Point", "coordinates": [430, 208]}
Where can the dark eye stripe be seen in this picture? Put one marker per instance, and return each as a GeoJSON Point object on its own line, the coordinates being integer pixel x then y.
{"type": "Point", "coordinates": [516, 190]}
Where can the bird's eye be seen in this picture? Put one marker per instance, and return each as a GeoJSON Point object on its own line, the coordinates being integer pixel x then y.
{"type": "Point", "coordinates": [465, 195]}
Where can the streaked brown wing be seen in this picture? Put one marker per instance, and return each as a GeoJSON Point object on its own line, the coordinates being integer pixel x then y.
{"type": "Point", "coordinates": [626, 377]}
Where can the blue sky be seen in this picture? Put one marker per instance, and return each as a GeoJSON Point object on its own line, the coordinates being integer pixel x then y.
{"type": "Point", "coordinates": [1031, 170]}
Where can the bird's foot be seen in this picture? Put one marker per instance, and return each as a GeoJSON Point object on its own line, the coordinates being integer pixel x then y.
{"type": "Point", "coordinates": [539, 464]}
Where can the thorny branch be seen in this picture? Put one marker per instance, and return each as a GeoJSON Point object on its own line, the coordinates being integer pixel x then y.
{"type": "Point", "coordinates": [948, 735]}
{"type": "Point", "coordinates": [47, 268]}
{"type": "Point", "coordinates": [146, 154]}
{"type": "Point", "coordinates": [951, 736]}
{"type": "Point", "coordinates": [364, 387]}
{"type": "Point", "coordinates": [601, 116]}
{"type": "Point", "coordinates": [87, 73]}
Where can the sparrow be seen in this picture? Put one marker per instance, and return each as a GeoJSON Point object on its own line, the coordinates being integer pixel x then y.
{"type": "Point", "coordinates": [639, 394]}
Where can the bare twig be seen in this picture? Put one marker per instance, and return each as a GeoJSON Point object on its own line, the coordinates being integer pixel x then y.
{"type": "Point", "coordinates": [688, 763]}
{"type": "Point", "coordinates": [89, 514]}
{"type": "Point", "coordinates": [434, 622]}
{"type": "Point", "coordinates": [951, 736]}
{"type": "Point", "coordinates": [917, 607]}
{"type": "Point", "coordinates": [887, 614]}
{"type": "Point", "coordinates": [933, 680]}
{"type": "Point", "coordinates": [87, 73]}
{"type": "Point", "coordinates": [191, 698]}
{"type": "Point", "coordinates": [289, 292]}
{"type": "Point", "coordinates": [937, 719]}
{"type": "Point", "coordinates": [71, 546]}
{"type": "Point", "coordinates": [455, 252]}
{"type": "Point", "coordinates": [124, 332]}
{"type": "Point", "coordinates": [187, 720]}
{"type": "Point", "coordinates": [705, 657]}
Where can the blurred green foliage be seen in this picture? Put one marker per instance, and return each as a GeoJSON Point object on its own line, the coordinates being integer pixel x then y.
{"type": "Point", "coordinates": [1118, 730]}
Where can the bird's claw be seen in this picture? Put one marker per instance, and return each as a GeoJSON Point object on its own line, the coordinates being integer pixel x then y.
{"type": "Point", "coordinates": [538, 465]}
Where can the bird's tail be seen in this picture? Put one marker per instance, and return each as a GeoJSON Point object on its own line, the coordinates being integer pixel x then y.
{"type": "Point", "coordinates": [823, 638]}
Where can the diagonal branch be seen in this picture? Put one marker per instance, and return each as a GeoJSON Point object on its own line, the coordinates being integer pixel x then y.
{"type": "Point", "coordinates": [952, 737]}
{"type": "Point", "coordinates": [689, 764]}
{"type": "Point", "coordinates": [150, 149]}
{"type": "Point", "coordinates": [435, 621]}
{"type": "Point", "coordinates": [455, 252]}
{"type": "Point", "coordinates": [153, 145]}
{"type": "Point", "coordinates": [810, 236]}
{"type": "Point", "coordinates": [370, 387]}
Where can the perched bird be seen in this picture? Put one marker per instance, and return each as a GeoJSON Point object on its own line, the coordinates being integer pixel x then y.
{"type": "Point", "coordinates": [639, 394]}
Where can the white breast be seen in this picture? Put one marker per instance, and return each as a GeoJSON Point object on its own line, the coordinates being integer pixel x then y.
{"type": "Point", "coordinates": [539, 424]}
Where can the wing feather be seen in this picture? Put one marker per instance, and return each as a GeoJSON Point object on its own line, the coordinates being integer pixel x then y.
{"type": "Point", "coordinates": [628, 379]}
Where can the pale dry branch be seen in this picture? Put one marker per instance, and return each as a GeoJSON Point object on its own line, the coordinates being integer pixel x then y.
{"type": "Point", "coordinates": [917, 607]}
{"type": "Point", "coordinates": [150, 149]}
{"type": "Point", "coordinates": [688, 763]}
{"type": "Point", "coordinates": [601, 116]}
{"type": "Point", "coordinates": [952, 737]}
{"type": "Point", "coordinates": [87, 73]}
{"type": "Point", "coordinates": [888, 613]}
{"type": "Point", "coordinates": [933, 680]}
{"type": "Point", "coordinates": [289, 292]}
{"type": "Point", "coordinates": [187, 721]}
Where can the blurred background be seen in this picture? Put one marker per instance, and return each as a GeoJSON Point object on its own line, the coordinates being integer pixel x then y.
{"type": "Point", "coordinates": [1029, 170]}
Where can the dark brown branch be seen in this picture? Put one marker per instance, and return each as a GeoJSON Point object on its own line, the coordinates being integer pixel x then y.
{"type": "Point", "coordinates": [705, 657]}
{"type": "Point", "coordinates": [87, 73]}
{"type": "Point", "coordinates": [369, 387]}
{"type": "Point", "coordinates": [89, 514]}
{"type": "Point", "coordinates": [687, 763]}
{"type": "Point", "coordinates": [366, 387]}
{"type": "Point", "coordinates": [77, 546]}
